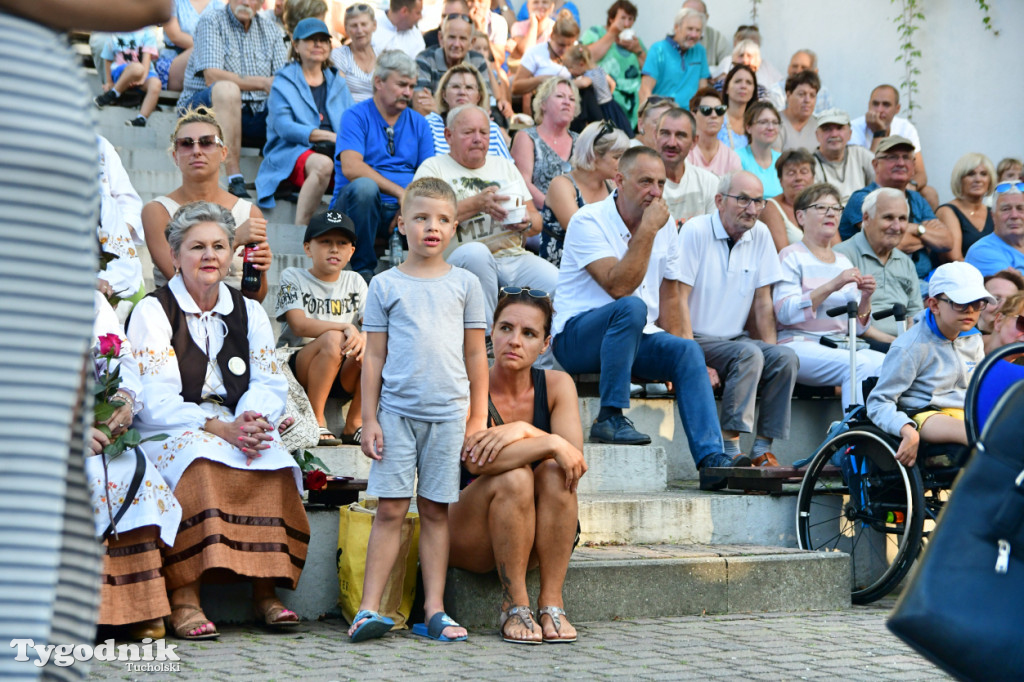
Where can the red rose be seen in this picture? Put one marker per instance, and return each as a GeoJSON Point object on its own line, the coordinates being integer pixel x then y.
{"type": "Point", "coordinates": [110, 344]}
{"type": "Point", "coordinates": [315, 479]}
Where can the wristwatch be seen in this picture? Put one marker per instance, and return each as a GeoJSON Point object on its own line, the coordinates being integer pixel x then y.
{"type": "Point", "coordinates": [921, 230]}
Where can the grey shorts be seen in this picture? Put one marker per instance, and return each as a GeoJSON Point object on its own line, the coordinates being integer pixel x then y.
{"type": "Point", "coordinates": [430, 448]}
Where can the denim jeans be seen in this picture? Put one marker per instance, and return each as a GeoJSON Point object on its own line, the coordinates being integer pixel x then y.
{"type": "Point", "coordinates": [361, 201]}
{"type": "Point", "coordinates": [610, 340]}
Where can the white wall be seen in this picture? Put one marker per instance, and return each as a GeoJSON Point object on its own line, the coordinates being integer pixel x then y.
{"type": "Point", "coordinates": [966, 94]}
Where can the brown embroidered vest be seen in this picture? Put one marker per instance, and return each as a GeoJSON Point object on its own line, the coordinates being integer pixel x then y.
{"type": "Point", "coordinates": [192, 360]}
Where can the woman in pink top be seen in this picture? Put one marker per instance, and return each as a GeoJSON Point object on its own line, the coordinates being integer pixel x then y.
{"type": "Point", "coordinates": [710, 152]}
{"type": "Point", "coordinates": [815, 279]}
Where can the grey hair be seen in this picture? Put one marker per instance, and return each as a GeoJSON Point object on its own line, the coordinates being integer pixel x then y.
{"type": "Point", "coordinates": [394, 61]}
{"type": "Point", "coordinates": [810, 53]}
{"type": "Point", "coordinates": [746, 46]}
{"type": "Point", "coordinates": [870, 206]}
{"type": "Point", "coordinates": [725, 184]}
{"type": "Point", "coordinates": [588, 148]}
{"type": "Point", "coordinates": [353, 11]}
{"type": "Point", "coordinates": [687, 12]}
{"type": "Point", "coordinates": [190, 215]}
{"type": "Point", "coordinates": [457, 112]}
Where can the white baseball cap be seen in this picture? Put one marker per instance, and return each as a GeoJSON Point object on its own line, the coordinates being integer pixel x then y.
{"type": "Point", "coordinates": [960, 282]}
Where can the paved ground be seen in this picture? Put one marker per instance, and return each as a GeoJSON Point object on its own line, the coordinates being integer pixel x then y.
{"type": "Point", "coordinates": [850, 645]}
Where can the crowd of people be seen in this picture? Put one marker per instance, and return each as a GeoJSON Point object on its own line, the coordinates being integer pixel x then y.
{"type": "Point", "coordinates": [678, 214]}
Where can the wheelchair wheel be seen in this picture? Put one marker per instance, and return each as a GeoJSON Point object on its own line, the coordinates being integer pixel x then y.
{"type": "Point", "coordinates": [873, 510]}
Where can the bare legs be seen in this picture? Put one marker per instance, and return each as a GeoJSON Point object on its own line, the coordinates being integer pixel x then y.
{"type": "Point", "coordinates": [227, 102]}
{"type": "Point", "coordinates": [318, 170]}
{"type": "Point", "coordinates": [318, 365]}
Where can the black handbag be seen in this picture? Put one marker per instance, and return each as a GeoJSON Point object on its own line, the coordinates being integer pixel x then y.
{"type": "Point", "coordinates": [963, 607]}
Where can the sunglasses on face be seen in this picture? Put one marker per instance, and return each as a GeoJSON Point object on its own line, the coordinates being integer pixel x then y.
{"type": "Point", "coordinates": [522, 291]}
{"type": "Point", "coordinates": [206, 143]}
{"type": "Point", "coordinates": [978, 305]}
{"type": "Point", "coordinates": [706, 110]}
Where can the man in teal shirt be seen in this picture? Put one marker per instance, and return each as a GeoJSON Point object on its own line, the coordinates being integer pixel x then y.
{"type": "Point", "coordinates": [678, 65]}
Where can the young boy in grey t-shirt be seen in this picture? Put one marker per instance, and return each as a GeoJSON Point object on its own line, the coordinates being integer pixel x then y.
{"type": "Point", "coordinates": [320, 310]}
{"type": "Point", "coordinates": [424, 366]}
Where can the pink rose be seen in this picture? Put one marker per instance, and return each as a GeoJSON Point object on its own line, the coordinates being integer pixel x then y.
{"type": "Point", "coordinates": [110, 344]}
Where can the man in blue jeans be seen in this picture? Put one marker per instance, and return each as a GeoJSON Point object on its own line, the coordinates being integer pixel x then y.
{"type": "Point", "coordinates": [618, 311]}
{"type": "Point", "coordinates": [381, 143]}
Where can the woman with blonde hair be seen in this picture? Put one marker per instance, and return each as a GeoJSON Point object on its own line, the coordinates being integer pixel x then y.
{"type": "Point", "coordinates": [542, 152]}
{"type": "Point", "coordinates": [462, 84]}
{"type": "Point", "coordinates": [967, 217]}
{"type": "Point", "coordinates": [198, 150]}
{"type": "Point", "coordinates": [1008, 324]}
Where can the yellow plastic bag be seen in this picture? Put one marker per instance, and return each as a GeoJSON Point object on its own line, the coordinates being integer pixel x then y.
{"type": "Point", "coordinates": [353, 537]}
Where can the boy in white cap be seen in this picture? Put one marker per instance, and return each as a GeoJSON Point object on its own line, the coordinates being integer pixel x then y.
{"type": "Point", "coordinates": [923, 380]}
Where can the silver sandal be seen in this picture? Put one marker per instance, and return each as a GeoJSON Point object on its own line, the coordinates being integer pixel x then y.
{"type": "Point", "coordinates": [525, 615]}
{"type": "Point", "coordinates": [555, 613]}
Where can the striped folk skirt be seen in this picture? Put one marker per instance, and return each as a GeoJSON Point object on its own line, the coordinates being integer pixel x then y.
{"type": "Point", "coordinates": [133, 588]}
{"type": "Point", "coordinates": [237, 524]}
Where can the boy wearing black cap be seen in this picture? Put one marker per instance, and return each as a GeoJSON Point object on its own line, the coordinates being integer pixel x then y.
{"type": "Point", "coordinates": [320, 310]}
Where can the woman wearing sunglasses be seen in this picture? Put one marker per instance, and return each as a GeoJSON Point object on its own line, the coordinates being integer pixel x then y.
{"type": "Point", "coordinates": [967, 218]}
{"type": "Point", "coordinates": [197, 148]}
{"type": "Point", "coordinates": [518, 506]}
{"type": "Point", "coordinates": [815, 279]}
{"type": "Point", "coordinates": [711, 153]}
{"type": "Point", "coordinates": [307, 99]}
{"type": "Point", "coordinates": [1007, 325]}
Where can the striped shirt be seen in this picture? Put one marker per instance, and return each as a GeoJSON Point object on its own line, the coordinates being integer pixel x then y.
{"type": "Point", "coordinates": [802, 273]}
{"type": "Point", "coordinates": [496, 147]}
{"type": "Point", "coordinates": [221, 42]}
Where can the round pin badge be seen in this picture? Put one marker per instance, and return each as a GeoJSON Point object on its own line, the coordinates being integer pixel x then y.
{"type": "Point", "coordinates": [237, 366]}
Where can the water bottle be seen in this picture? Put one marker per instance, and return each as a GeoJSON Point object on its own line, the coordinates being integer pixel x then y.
{"type": "Point", "coordinates": [395, 250]}
{"type": "Point", "coordinates": [251, 277]}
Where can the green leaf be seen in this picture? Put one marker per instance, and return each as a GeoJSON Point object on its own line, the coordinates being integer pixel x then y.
{"type": "Point", "coordinates": [156, 438]}
{"type": "Point", "coordinates": [131, 438]}
{"type": "Point", "coordinates": [103, 411]}
{"type": "Point", "coordinates": [103, 428]}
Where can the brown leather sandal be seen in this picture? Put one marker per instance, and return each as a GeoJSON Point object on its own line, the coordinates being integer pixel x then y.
{"type": "Point", "coordinates": [765, 460]}
{"type": "Point", "coordinates": [193, 618]}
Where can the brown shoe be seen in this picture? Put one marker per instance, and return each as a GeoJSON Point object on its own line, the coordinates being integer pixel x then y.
{"type": "Point", "coordinates": [765, 460]}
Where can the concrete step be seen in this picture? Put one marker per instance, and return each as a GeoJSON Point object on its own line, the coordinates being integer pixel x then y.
{"type": "Point", "coordinates": [610, 468]}
{"type": "Point", "coordinates": [606, 583]}
{"type": "Point", "coordinates": [659, 418]}
{"type": "Point", "coordinates": [686, 515]}
{"type": "Point", "coordinates": [158, 158]}
{"type": "Point", "coordinates": [602, 582]}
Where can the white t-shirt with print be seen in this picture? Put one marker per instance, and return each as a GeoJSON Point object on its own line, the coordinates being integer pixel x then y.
{"type": "Point", "coordinates": [341, 301]}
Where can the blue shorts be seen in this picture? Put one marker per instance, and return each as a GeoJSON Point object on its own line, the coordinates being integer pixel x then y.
{"type": "Point", "coordinates": [411, 446]}
{"type": "Point", "coordinates": [254, 124]}
{"type": "Point", "coordinates": [115, 72]}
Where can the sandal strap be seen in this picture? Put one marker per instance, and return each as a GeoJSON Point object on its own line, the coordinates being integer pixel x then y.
{"type": "Point", "coordinates": [553, 612]}
{"type": "Point", "coordinates": [190, 621]}
{"type": "Point", "coordinates": [523, 613]}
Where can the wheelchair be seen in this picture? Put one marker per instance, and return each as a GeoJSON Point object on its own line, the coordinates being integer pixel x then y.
{"type": "Point", "coordinates": [855, 497]}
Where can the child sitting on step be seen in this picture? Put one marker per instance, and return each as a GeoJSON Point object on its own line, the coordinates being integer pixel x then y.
{"type": "Point", "coordinates": [128, 61]}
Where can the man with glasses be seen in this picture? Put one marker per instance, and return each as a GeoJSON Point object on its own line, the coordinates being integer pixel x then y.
{"type": "Point", "coordinates": [873, 250]}
{"type": "Point", "coordinates": [926, 236]}
{"type": "Point", "coordinates": [380, 145]}
{"type": "Point", "coordinates": [923, 381]}
{"type": "Point", "coordinates": [237, 52]}
{"type": "Point", "coordinates": [845, 166]}
{"type": "Point", "coordinates": [1004, 248]}
{"type": "Point", "coordinates": [689, 190]}
{"type": "Point", "coordinates": [494, 209]}
{"type": "Point", "coordinates": [617, 309]}
{"type": "Point", "coordinates": [396, 28]}
{"type": "Point", "coordinates": [728, 265]}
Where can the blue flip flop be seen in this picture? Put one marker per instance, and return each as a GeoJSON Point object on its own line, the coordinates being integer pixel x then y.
{"type": "Point", "coordinates": [373, 627]}
{"type": "Point", "coordinates": [438, 622]}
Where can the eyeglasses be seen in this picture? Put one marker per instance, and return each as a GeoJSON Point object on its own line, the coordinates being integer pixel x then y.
{"type": "Point", "coordinates": [465, 17]}
{"type": "Point", "coordinates": [825, 209]}
{"type": "Point", "coordinates": [706, 110]}
{"type": "Point", "coordinates": [390, 132]}
{"type": "Point", "coordinates": [522, 291]}
{"type": "Point", "coordinates": [360, 8]}
{"type": "Point", "coordinates": [979, 305]}
{"type": "Point", "coordinates": [206, 143]}
{"type": "Point", "coordinates": [606, 129]}
{"type": "Point", "coordinates": [896, 157]}
{"type": "Point", "coordinates": [767, 123]}
{"type": "Point", "coordinates": [744, 201]}
{"type": "Point", "coordinates": [1004, 187]}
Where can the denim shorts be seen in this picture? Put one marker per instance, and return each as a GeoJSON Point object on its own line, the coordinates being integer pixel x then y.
{"type": "Point", "coordinates": [411, 446]}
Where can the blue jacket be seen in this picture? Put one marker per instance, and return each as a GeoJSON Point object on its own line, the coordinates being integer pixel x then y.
{"type": "Point", "coordinates": [292, 116]}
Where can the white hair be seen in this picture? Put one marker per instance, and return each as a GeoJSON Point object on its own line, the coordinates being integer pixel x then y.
{"type": "Point", "coordinates": [870, 206]}
{"type": "Point", "coordinates": [685, 13]}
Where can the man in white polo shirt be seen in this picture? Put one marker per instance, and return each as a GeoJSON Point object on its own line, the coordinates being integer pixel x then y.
{"type": "Point", "coordinates": [728, 264]}
{"type": "Point", "coordinates": [396, 28]}
{"type": "Point", "coordinates": [617, 310]}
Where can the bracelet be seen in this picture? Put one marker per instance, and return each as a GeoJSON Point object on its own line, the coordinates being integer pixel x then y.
{"type": "Point", "coordinates": [864, 316]}
{"type": "Point", "coordinates": [126, 399]}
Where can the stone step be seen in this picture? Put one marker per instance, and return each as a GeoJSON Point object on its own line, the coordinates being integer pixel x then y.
{"type": "Point", "coordinates": [610, 468]}
{"type": "Point", "coordinates": [136, 159]}
{"type": "Point", "coordinates": [607, 583]}
{"type": "Point", "coordinates": [602, 582]}
{"type": "Point", "coordinates": [659, 418]}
